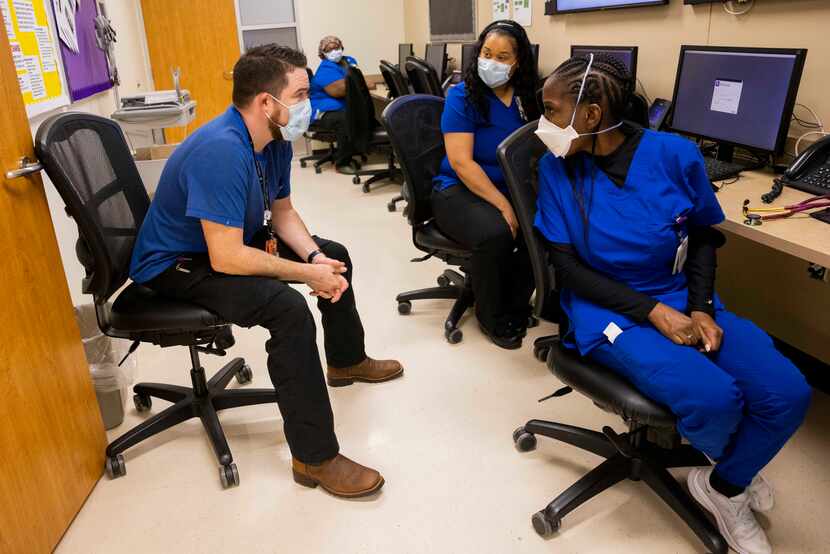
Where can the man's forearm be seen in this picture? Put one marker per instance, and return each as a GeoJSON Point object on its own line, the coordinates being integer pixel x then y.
{"type": "Point", "coordinates": [289, 227]}
{"type": "Point", "coordinates": [252, 261]}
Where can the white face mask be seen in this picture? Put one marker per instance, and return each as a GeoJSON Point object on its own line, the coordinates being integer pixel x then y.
{"type": "Point", "coordinates": [493, 73]}
{"type": "Point", "coordinates": [334, 55]}
{"type": "Point", "coordinates": [559, 140]}
{"type": "Point", "coordinates": [299, 118]}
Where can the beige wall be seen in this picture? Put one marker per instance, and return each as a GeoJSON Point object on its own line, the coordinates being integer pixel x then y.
{"type": "Point", "coordinates": [660, 31]}
{"type": "Point", "coordinates": [135, 76]}
{"type": "Point", "coordinates": [370, 29]}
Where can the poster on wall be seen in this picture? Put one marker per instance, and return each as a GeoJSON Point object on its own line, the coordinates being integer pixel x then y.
{"type": "Point", "coordinates": [501, 9]}
{"type": "Point", "coordinates": [34, 52]}
{"type": "Point", "coordinates": [85, 64]}
{"type": "Point", "coordinates": [523, 12]}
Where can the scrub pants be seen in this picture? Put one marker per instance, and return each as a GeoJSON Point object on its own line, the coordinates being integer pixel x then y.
{"type": "Point", "coordinates": [336, 122]}
{"type": "Point", "coordinates": [739, 405]}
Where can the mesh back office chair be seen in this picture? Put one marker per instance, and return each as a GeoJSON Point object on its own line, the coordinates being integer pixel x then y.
{"type": "Point", "coordinates": [394, 79]}
{"type": "Point", "coordinates": [423, 77]}
{"type": "Point", "coordinates": [414, 126]}
{"type": "Point", "coordinates": [315, 132]}
{"type": "Point", "coordinates": [89, 162]}
{"type": "Point", "coordinates": [634, 455]}
{"type": "Point", "coordinates": [378, 138]}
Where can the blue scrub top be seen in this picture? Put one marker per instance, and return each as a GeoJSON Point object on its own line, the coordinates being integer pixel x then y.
{"type": "Point", "coordinates": [633, 231]}
{"type": "Point", "coordinates": [460, 116]}
{"type": "Point", "coordinates": [328, 72]}
{"type": "Point", "coordinates": [211, 176]}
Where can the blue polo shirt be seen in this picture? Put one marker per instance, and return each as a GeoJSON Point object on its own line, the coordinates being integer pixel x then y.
{"type": "Point", "coordinates": [461, 116]}
{"type": "Point", "coordinates": [328, 72]}
{"type": "Point", "coordinates": [211, 176]}
{"type": "Point", "coordinates": [633, 231]}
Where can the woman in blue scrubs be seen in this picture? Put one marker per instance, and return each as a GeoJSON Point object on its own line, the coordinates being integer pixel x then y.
{"type": "Point", "coordinates": [470, 200]}
{"type": "Point", "coordinates": [623, 208]}
{"type": "Point", "coordinates": [328, 94]}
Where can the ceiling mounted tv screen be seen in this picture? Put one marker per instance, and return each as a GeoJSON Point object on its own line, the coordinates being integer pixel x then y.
{"type": "Point", "coordinates": [572, 6]}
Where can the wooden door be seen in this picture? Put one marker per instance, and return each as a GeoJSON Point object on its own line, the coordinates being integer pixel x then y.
{"type": "Point", "coordinates": [200, 37]}
{"type": "Point", "coordinates": [52, 438]}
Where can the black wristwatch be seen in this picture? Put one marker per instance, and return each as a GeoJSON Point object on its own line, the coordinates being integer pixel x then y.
{"type": "Point", "coordinates": [313, 255]}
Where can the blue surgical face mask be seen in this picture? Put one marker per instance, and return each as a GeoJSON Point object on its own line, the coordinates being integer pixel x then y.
{"type": "Point", "coordinates": [299, 118]}
{"type": "Point", "coordinates": [493, 73]}
{"type": "Point", "coordinates": [334, 55]}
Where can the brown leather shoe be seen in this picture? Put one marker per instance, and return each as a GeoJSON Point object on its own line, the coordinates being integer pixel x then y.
{"type": "Point", "coordinates": [339, 476]}
{"type": "Point", "coordinates": [367, 371]}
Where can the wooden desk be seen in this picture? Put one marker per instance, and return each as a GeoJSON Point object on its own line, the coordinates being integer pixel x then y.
{"type": "Point", "coordinates": [800, 236]}
{"type": "Point", "coordinates": [762, 271]}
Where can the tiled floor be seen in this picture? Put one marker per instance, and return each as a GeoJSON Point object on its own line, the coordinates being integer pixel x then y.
{"type": "Point", "coordinates": [441, 436]}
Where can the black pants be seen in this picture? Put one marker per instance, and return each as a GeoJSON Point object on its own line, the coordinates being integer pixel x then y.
{"type": "Point", "coordinates": [336, 121]}
{"type": "Point", "coordinates": [293, 358]}
{"type": "Point", "coordinates": [500, 268]}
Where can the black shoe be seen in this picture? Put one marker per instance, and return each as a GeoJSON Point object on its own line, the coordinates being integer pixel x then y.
{"type": "Point", "coordinates": [509, 341]}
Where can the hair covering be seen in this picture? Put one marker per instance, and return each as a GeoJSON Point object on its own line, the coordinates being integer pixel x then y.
{"type": "Point", "coordinates": [326, 42]}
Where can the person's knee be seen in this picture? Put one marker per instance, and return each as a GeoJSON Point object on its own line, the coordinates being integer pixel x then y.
{"type": "Point", "coordinates": [722, 406]}
{"type": "Point", "coordinates": [337, 251]}
{"type": "Point", "coordinates": [495, 241]}
{"type": "Point", "coordinates": [288, 310]}
{"type": "Point", "coordinates": [786, 404]}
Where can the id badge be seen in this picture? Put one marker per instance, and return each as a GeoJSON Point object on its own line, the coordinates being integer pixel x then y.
{"type": "Point", "coordinates": [681, 255]}
{"type": "Point", "coordinates": [271, 246]}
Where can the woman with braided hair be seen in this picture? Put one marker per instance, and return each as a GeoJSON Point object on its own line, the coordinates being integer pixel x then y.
{"type": "Point", "coordinates": [628, 214]}
{"type": "Point", "coordinates": [470, 198]}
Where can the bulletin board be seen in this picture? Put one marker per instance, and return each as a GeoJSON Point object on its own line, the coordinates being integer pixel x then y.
{"type": "Point", "coordinates": [34, 49]}
{"type": "Point", "coordinates": [87, 72]}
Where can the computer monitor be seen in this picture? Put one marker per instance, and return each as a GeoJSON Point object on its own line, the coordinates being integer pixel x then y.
{"type": "Point", "coordinates": [468, 52]}
{"type": "Point", "coordinates": [571, 6]}
{"type": "Point", "coordinates": [436, 56]}
{"type": "Point", "coordinates": [626, 54]}
{"type": "Point", "coordinates": [404, 51]}
{"type": "Point", "coordinates": [535, 49]}
{"type": "Point", "coordinates": [737, 96]}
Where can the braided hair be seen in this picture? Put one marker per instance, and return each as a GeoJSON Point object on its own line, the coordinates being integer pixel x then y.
{"type": "Point", "coordinates": [610, 86]}
{"type": "Point", "coordinates": [525, 81]}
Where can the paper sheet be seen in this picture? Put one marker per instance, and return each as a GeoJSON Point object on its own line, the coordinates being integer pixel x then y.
{"type": "Point", "coordinates": [501, 9]}
{"type": "Point", "coordinates": [523, 12]}
{"type": "Point", "coordinates": [23, 81]}
{"type": "Point", "coordinates": [17, 56]}
{"type": "Point", "coordinates": [4, 8]}
{"type": "Point", "coordinates": [25, 13]}
{"type": "Point", "coordinates": [65, 11]}
{"type": "Point", "coordinates": [47, 50]}
{"type": "Point", "coordinates": [727, 96]}
{"type": "Point", "coordinates": [35, 77]}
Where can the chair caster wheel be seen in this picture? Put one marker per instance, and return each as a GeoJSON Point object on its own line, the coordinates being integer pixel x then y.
{"type": "Point", "coordinates": [543, 525]}
{"type": "Point", "coordinates": [541, 353]}
{"type": "Point", "coordinates": [443, 281]}
{"type": "Point", "coordinates": [229, 476]}
{"type": "Point", "coordinates": [356, 180]}
{"type": "Point", "coordinates": [303, 164]}
{"type": "Point", "coordinates": [318, 170]}
{"type": "Point", "coordinates": [115, 466]}
{"type": "Point", "coordinates": [404, 307]}
{"type": "Point", "coordinates": [364, 158]}
{"type": "Point", "coordinates": [245, 375]}
{"type": "Point", "coordinates": [142, 402]}
{"type": "Point", "coordinates": [524, 441]}
{"type": "Point", "coordinates": [532, 322]}
{"type": "Point", "coordinates": [453, 336]}
{"type": "Point", "coordinates": [391, 207]}
{"type": "Point", "coordinates": [366, 189]}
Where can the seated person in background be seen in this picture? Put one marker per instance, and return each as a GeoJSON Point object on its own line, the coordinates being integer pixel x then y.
{"type": "Point", "coordinates": [328, 95]}
{"type": "Point", "coordinates": [470, 198]}
{"type": "Point", "coordinates": [623, 208]}
{"type": "Point", "coordinates": [225, 190]}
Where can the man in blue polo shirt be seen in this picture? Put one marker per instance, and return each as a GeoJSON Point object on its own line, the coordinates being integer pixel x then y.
{"type": "Point", "coordinates": [222, 233]}
{"type": "Point", "coordinates": [328, 94]}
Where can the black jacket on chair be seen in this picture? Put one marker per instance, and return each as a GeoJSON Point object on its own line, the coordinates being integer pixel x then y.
{"type": "Point", "coordinates": [360, 113]}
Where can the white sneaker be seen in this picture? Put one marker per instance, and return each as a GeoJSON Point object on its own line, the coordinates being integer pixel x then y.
{"type": "Point", "coordinates": [736, 521]}
{"type": "Point", "coordinates": [761, 495]}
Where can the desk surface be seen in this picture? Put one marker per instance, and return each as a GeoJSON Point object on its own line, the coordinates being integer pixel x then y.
{"type": "Point", "coordinates": [800, 236]}
{"type": "Point", "coordinates": [380, 92]}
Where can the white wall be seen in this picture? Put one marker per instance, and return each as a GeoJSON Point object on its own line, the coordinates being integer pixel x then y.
{"type": "Point", "coordinates": [370, 29]}
{"type": "Point", "coordinates": [135, 76]}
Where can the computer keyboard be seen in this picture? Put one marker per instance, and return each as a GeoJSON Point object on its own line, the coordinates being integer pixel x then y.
{"type": "Point", "coordinates": [718, 170]}
{"type": "Point", "coordinates": [815, 182]}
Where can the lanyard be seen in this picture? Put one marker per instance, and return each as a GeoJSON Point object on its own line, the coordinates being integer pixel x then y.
{"type": "Point", "coordinates": [264, 188]}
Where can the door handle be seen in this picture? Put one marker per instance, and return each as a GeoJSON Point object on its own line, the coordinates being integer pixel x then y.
{"type": "Point", "coordinates": [26, 166]}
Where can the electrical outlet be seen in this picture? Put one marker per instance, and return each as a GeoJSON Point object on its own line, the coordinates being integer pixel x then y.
{"type": "Point", "coordinates": [819, 273]}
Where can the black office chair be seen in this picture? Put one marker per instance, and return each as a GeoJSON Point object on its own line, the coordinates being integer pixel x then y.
{"type": "Point", "coordinates": [89, 162]}
{"type": "Point", "coordinates": [394, 79]}
{"type": "Point", "coordinates": [414, 126]}
{"type": "Point", "coordinates": [359, 101]}
{"type": "Point", "coordinates": [316, 133]}
{"type": "Point", "coordinates": [423, 77]}
{"type": "Point", "coordinates": [652, 444]}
